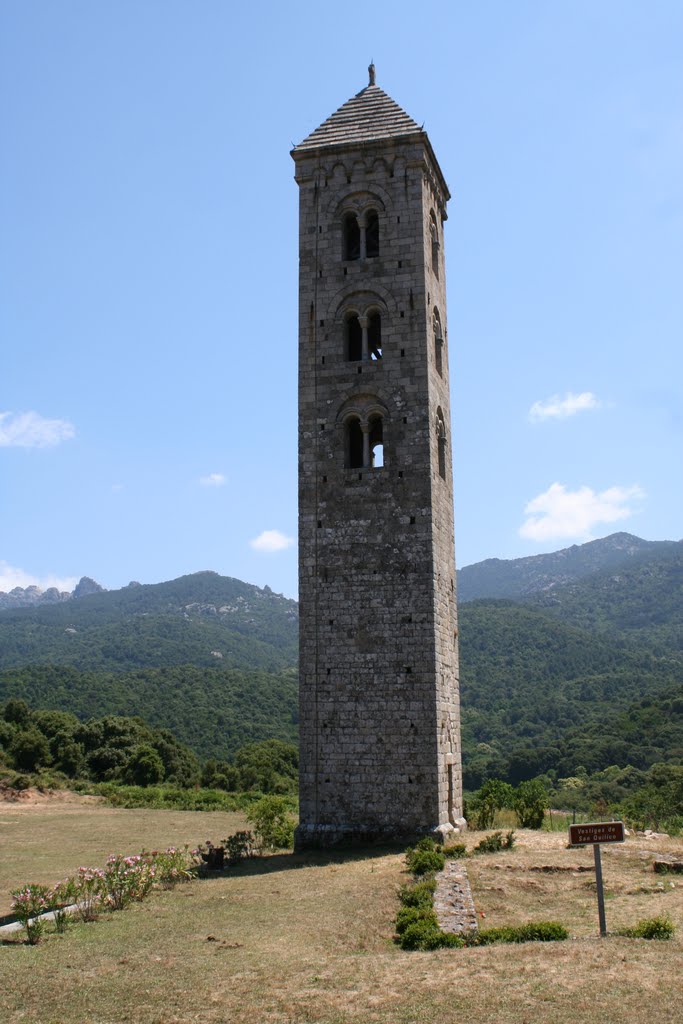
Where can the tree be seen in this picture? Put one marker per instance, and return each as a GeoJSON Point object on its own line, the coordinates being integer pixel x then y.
{"type": "Point", "coordinates": [30, 750]}
{"type": "Point", "coordinates": [18, 712]}
{"type": "Point", "coordinates": [530, 802]}
{"type": "Point", "coordinates": [145, 767]}
{"type": "Point", "coordinates": [492, 796]}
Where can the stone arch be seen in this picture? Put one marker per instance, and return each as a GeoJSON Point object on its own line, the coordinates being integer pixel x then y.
{"type": "Point", "coordinates": [353, 197]}
{"type": "Point", "coordinates": [352, 295]}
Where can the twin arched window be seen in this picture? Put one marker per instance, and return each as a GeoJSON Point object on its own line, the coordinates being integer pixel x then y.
{"type": "Point", "coordinates": [364, 441]}
{"type": "Point", "coordinates": [363, 336]}
{"type": "Point", "coordinates": [360, 235]}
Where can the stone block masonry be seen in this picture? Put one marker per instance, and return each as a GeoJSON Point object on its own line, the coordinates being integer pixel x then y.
{"type": "Point", "coordinates": [379, 701]}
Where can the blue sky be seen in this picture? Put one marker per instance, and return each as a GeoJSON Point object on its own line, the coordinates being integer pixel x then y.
{"type": "Point", "coordinates": [148, 269]}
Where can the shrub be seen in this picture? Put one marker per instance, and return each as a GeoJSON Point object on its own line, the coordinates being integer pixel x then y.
{"type": "Point", "coordinates": [538, 931]}
{"type": "Point", "coordinates": [425, 858]}
{"type": "Point", "coordinates": [421, 894]}
{"type": "Point", "coordinates": [89, 892]}
{"type": "Point", "coordinates": [28, 904]}
{"type": "Point", "coordinates": [238, 847]}
{"type": "Point", "coordinates": [495, 842]}
{"type": "Point", "coordinates": [273, 828]}
{"type": "Point", "coordinates": [492, 796]}
{"type": "Point", "coordinates": [455, 851]}
{"type": "Point", "coordinates": [650, 928]}
{"type": "Point", "coordinates": [59, 897]}
{"type": "Point", "coordinates": [422, 934]}
{"type": "Point", "coordinates": [530, 801]}
{"type": "Point", "coordinates": [408, 916]}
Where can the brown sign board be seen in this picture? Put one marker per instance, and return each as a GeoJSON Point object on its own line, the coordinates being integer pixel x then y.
{"type": "Point", "coordinates": [598, 832]}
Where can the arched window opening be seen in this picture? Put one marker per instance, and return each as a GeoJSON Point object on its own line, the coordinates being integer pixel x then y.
{"type": "Point", "coordinates": [441, 441]}
{"type": "Point", "coordinates": [354, 444]}
{"type": "Point", "coordinates": [438, 344]}
{"type": "Point", "coordinates": [376, 433]}
{"type": "Point", "coordinates": [434, 233]}
{"type": "Point", "coordinates": [375, 336]}
{"type": "Point", "coordinates": [353, 339]}
{"type": "Point", "coordinates": [372, 234]}
{"type": "Point", "coordinates": [350, 237]}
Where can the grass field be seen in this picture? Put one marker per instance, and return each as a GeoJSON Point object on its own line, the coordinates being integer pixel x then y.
{"type": "Point", "coordinates": [291, 939]}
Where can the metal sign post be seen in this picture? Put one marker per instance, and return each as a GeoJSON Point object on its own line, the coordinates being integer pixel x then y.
{"type": "Point", "coordinates": [594, 834]}
{"type": "Point", "coordinates": [600, 890]}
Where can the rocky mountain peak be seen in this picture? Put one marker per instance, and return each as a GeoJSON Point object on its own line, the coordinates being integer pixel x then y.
{"type": "Point", "coordinates": [87, 586]}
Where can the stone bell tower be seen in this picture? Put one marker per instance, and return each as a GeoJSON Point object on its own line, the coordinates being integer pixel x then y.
{"type": "Point", "coordinates": [379, 699]}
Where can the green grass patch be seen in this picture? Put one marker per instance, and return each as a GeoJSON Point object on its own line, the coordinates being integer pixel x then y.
{"type": "Point", "coordinates": [650, 928]}
{"type": "Point", "coordinates": [175, 798]}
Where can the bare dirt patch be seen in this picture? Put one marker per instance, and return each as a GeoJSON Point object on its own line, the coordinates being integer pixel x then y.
{"type": "Point", "coordinates": [32, 798]}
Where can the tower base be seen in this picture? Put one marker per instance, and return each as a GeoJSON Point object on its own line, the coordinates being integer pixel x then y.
{"type": "Point", "coordinates": [323, 837]}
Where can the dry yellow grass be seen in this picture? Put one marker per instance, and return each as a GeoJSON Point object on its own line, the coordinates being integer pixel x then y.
{"type": "Point", "coordinates": [48, 838]}
{"type": "Point", "coordinates": [294, 939]}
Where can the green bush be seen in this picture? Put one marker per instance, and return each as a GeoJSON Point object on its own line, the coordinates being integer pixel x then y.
{"type": "Point", "coordinates": [420, 894]}
{"type": "Point", "coordinates": [455, 851]}
{"type": "Point", "coordinates": [408, 916]}
{"type": "Point", "coordinates": [492, 796]}
{"type": "Point", "coordinates": [425, 858]}
{"type": "Point", "coordinates": [495, 842]}
{"type": "Point", "coordinates": [650, 928]}
{"type": "Point", "coordinates": [538, 931]}
{"type": "Point", "coordinates": [530, 802]}
{"type": "Point", "coordinates": [273, 828]}
{"type": "Point", "coordinates": [424, 935]}
{"type": "Point", "coordinates": [238, 847]}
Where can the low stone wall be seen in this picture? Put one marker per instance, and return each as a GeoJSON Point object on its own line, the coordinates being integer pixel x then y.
{"type": "Point", "coordinates": [453, 901]}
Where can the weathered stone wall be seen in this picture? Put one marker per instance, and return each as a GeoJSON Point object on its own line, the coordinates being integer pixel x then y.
{"type": "Point", "coordinates": [380, 736]}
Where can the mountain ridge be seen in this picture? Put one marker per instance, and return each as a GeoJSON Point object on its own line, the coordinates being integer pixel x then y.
{"type": "Point", "coordinates": [519, 578]}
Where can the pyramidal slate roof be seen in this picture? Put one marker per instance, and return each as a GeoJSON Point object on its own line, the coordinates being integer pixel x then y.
{"type": "Point", "coordinates": [366, 117]}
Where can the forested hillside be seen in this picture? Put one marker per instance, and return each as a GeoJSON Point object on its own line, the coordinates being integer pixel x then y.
{"type": "Point", "coordinates": [522, 578]}
{"type": "Point", "coordinates": [583, 668]}
{"type": "Point", "coordinates": [640, 605]}
{"type": "Point", "coordinates": [203, 620]}
{"type": "Point", "coordinates": [531, 686]}
{"type": "Point", "coordinates": [214, 711]}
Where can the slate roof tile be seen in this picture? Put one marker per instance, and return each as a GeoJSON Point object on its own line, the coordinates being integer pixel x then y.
{"type": "Point", "coordinates": [368, 116]}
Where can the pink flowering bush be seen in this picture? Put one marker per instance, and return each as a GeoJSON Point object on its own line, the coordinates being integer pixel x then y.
{"type": "Point", "coordinates": [89, 891]}
{"type": "Point", "coordinates": [58, 898]}
{"type": "Point", "coordinates": [174, 865]}
{"type": "Point", "coordinates": [122, 881]}
{"type": "Point", "coordinates": [126, 879]}
{"type": "Point", "coordinates": [28, 904]}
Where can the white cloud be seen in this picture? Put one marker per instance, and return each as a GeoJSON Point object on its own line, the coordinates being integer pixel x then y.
{"type": "Point", "coordinates": [559, 513]}
{"type": "Point", "coordinates": [212, 480]}
{"type": "Point", "coordinates": [271, 540]}
{"type": "Point", "coordinates": [11, 577]}
{"type": "Point", "coordinates": [31, 430]}
{"type": "Point", "coordinates": [561, 408]}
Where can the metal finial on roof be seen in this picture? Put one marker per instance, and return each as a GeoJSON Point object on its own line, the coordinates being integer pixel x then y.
{"type": "Point", "coordinates": [371, 74]}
